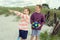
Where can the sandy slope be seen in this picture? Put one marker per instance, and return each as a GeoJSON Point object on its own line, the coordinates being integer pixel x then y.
{"type": "Point", "coordinates": [9, 28]}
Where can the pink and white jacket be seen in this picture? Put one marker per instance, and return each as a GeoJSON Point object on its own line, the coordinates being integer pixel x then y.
{"type": "Point", "coordinates": [24, 21]}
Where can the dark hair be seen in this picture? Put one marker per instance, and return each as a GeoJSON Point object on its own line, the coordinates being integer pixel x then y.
{"type": "Point", "coordinates": [39, 6]}
{"type": "Point", "coordinates": [27, 9]}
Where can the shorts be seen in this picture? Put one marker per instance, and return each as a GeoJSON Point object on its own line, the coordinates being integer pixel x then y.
{"type": "Point", "coordinates": [23, 34]}
{"type": "Point", "coordinates": [35, 32]}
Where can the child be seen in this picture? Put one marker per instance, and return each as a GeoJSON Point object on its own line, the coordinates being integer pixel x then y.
{"type": "Point", "coordinates": [37, 15]}
{"type": "Point", "coordinates": [23, 23]}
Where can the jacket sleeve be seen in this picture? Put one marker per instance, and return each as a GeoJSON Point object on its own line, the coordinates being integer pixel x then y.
{"type": "Point", "coordinates": [32, 19]}
{"type": "Point", "coordinates": [18, 13]}
{"type": "Point", "coordinates": [42, 20]}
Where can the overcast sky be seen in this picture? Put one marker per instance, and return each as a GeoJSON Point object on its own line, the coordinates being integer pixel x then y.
{"type": "Point", "coordinates": [22, 3]}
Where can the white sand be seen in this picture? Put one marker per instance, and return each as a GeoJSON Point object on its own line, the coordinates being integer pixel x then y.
{"type": "Point", "coordinates": [9, 28]}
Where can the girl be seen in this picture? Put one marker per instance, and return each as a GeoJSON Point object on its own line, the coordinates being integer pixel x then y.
{"type": "Point", "coordinates": [23, 23]}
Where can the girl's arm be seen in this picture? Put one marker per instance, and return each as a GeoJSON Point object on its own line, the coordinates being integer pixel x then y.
{"type": "Point", "coordinates": [16, 12]}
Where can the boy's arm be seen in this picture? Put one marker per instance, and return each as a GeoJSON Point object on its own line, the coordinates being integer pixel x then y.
{"type": "Point", "coordinates": [16, 12]}
{"type": "Point", "coordinates": [31, 19]}
{"type": "Point", "coordinates": [42, 20]}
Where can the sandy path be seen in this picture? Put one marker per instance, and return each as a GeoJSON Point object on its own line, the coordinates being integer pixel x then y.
{"type": "Point", "coordinates": [9, 29]}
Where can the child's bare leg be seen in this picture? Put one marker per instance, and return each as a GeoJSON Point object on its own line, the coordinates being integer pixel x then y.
{"type": "Point", "coordinates": [37, 38]}
{"type": "Point", "coordinates": [32, 37]}
{"type": "Point", "coordinates": [21, 38]}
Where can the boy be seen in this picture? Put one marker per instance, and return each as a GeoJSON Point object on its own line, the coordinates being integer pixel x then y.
{"type": "Point", "coordinates": [37, 15]}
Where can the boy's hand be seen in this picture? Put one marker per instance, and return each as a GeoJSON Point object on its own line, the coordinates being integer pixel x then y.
{"type": "Point", "coordinates": [39, 25]}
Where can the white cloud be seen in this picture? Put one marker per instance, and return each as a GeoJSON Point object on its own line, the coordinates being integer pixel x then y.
{"type": "Point", "coordinates": [54, 3]}
{"type": "Point", "coordinates": [21, 3]}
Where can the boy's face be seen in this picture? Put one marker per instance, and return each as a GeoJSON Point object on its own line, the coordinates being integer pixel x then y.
{"type": "Point", "coordinates": [37, 8]}
{"type": "Point", "coordinates": [26, 11]}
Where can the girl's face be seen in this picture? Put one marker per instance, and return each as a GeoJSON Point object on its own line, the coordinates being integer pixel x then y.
{"type": "Point", "coordinates": [26, 11]}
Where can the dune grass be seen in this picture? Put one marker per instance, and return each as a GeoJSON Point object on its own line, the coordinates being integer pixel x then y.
{"type": "Point", "coordinates": [43, 36]}
{"type": "Point", "coordinates": [4, 10]}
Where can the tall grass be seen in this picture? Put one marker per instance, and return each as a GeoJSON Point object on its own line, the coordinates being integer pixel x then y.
{"type": "Point", "coordinates": [45, 36]}
{"type": "Point", "coordinates": [4, 10]}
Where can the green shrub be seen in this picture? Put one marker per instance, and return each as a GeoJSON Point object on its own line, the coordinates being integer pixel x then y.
{"type": "Point", "coordinates": [45, 36]}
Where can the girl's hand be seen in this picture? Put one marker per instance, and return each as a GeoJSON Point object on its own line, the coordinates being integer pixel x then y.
{"type": "Point", "coordinates": [11, 10]}
{"type": "Point", "coordinates": [16, 12]}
